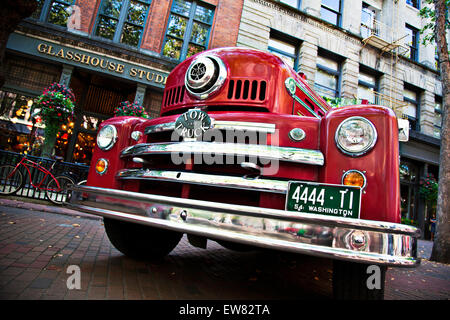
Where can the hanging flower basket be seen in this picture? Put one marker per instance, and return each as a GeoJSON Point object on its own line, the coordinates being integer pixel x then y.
{"type": "Point", "coordinates": [429, 188]}
{"type": "Point", "coordinates": [57, 107]}
{"type": "Point", "coordinates": [127, 108]}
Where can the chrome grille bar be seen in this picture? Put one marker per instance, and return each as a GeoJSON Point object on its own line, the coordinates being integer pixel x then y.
{"type": "Point", "coordinates": [255, 184]}
{"type": "Point", "coordinates": [297, 155]}
{"type": "Point", "coordinates": [219, 124]}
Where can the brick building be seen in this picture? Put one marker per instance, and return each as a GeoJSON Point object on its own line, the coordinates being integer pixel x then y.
{"type": "Point", "coordinates": [107, 51]}
{"type": "Point", "coordinates": [354, 50]}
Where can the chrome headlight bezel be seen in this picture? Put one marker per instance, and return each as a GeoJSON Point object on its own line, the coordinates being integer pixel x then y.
{"type": "Point", "coordinates": [109, 141]}
{"type": "Point", "coordinates": [205, 75]}
{"type": "Point", "coordinates": [370, 136]}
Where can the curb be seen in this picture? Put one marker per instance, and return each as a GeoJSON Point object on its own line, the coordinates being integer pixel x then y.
{"type": "Point", "coordinates": [46, 208]}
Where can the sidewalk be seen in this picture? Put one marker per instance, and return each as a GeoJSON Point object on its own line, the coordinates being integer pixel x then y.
{"type": "Point", "coordinates": [44, 206]}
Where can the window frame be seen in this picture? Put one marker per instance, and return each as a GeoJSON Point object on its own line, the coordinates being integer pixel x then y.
{"type": "Point", "coordinates": [45, 10]}
{"type": "Point", "coordinates": [413, 49]}
{"type": "Point", "coordinates": [438, 111]}
{"type": "Point", "coordinates": [121, 20]}
{"type": "Point", "coordinates": [338, 13]}
{"type": "Point", "coordinates": [413, 3]}
{"type": "Point", "coordinates": [298, 6]}
{"type": "Point", "coordinates": [415, 102]}
{"type": "Point", "coordinates": [338, 73]}
{"type": "Point", "coordinates": [375, 74]}
{"type": "Point", "coordinates": [282, 37]}
{"type": "Point", "coordinates": [189, 26]}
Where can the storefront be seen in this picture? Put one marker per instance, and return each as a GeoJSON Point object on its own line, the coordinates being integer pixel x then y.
{"type": "Point", "coordinates": [419, 158]}
{"type": "Point", "coordinates": [99, 81]}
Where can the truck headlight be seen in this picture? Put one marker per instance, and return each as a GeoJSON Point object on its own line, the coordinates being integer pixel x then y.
{"type": "Point", "coordinates": [355, 136]}
{"type": "Point", "coordinates": [107, 137]}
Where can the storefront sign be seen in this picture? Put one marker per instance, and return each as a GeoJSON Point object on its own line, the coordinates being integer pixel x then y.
{"type": "Point", "coordinates": [87, 59]}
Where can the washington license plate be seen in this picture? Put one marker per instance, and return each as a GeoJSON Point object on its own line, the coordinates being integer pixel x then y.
{"type": "Point", "coordinates": [326, 199]}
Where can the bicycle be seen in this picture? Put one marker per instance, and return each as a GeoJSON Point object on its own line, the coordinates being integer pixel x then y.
{"type": "Point", "coordinates": [12, 180]}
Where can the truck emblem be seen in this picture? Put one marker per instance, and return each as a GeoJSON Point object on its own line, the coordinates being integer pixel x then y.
{"type": "Point", "coordinates": [193, 123]}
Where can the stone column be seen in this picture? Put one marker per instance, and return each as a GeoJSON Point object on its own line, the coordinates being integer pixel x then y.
{"type": "Point", "coordinates": [140, 94]}
{"type": "Point", "coordinates": [308, 57]}
{"type": "Point", "coordinates": [427, 104]}
{"type": "Point", "coordinates": [311, 7]}
{"type": "Point", "coordinates": [350, 72]}
{"type": "Point", "coordinates": [66, 75]}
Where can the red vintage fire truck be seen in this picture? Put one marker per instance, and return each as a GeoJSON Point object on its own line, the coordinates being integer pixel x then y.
{"type": "Point", "coordinates": [245, 153]}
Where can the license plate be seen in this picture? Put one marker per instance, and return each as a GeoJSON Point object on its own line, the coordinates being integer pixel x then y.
{"type": "Point", "coordinates": [326, 199]}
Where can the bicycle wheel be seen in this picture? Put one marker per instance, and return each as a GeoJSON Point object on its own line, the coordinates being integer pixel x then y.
{"type": "Point", "coordinates": [10, 182]}
{"type": "Point", "coordinates": [58, 195]}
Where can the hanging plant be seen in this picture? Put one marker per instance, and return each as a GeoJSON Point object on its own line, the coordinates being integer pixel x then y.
{"type": "Point", "coordinates": [429, 188]}
{"type": "Point", "coordinates": [57, 107]}
{"type": "Point", "coordinates": [127, 108]}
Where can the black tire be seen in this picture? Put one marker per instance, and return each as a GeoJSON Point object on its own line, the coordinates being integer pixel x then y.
{"type": "Point", "coordinates": [141, 242]}
{"type": "Point", "coordinates": [351, 281]}
{"type": "Point", "coordinates": [58, 195]}
{"type": "Point", "coordinates": [10, 184]}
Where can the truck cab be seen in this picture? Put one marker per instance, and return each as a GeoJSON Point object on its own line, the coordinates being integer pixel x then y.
{"type": "Point", "coordinates": [245, 153]}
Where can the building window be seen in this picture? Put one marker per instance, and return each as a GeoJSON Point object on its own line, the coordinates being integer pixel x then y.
{"type": "Point", "coordinates": [368, 21]}
{"type": "Point", "coordinates": [327, 78]}
{"type": "Point", "coordinates": [122, 20]}
{"type": "Point", "coordinates": [411, 97]}
{"type": "Point", "coordinates": [414, 3]}
{"type": "Point", "coordinates": [438, 117]}
{"type": "Point", "coordinates": [330, 11]}
{"type": "Point", "coordinates": [412, 43]}
{"type": "Point", "coordinates": [409, 173]}
{"type": "Point", "coordinates": [285, 47]}
{"type": "Point", "coordinates": [188, 29]}
{"type": "Point", "coordinates": [53, 11]}
{"type": "Point", "coordinates": [293, 3]}
{"type": "Point", "coordinates": [367, 87]}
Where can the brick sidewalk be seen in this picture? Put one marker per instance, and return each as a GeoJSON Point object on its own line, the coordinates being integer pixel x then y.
{"type": "Point", "coordinates": [37, 246]}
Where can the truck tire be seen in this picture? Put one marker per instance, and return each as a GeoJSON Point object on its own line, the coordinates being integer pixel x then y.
{"type": "Point", "coordinates": [141, 242]}
{"type": "Point", "coordinates": [351, 281]}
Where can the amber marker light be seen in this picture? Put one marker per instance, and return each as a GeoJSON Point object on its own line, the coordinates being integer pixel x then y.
{"type": "Point", "coordinates": [101, 166]}
{"type": "Point", "coordinates": [354, 178]}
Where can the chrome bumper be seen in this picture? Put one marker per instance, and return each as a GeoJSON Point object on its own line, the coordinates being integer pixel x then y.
{"type": "Point", "coordinates": [323, 236]}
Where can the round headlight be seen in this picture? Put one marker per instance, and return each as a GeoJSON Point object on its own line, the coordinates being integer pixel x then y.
{"type": "Point", "coordinates": [205, 75]}
{"type": "Point", "coordinates": [355, 136]}
{"type": "Point", "coordinates": [106, 137]}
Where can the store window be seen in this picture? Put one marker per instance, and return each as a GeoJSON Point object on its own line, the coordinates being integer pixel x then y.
{"type": "Point", "coordinates": [412, 43]}
{"type": "Point", "coordinates": [53, 11]}
{"type": "Point", "coordinates": [188, 29]}
{"type": "Point", "coordinates": [328, 74]}
{"type": "Point", "coordinates": [293, 3]}
{"type": "Point", "coordinates": [16, 123]}
{"type": "Point", "coordinates": [330, 11]}
{"type": "Point", "coordinates": [285, 47]}
{"type": "Point", "coordinates": [122, 20]}
{"type": "Point", "coordinates": [437, 117]}
{"type": "Point", "coordinates": [367, 87]}
{"type": "Point", "coordinates": [412, 111]}
{"type": "Point", "coordinates": [409, 176]}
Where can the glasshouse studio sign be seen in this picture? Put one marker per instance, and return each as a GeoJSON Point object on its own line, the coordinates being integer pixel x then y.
{"type": "Point", "coordinates": [87, 59]}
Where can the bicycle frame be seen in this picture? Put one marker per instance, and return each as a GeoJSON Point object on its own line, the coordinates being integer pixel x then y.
{"type": "Point", "coordinates": [27, 163]}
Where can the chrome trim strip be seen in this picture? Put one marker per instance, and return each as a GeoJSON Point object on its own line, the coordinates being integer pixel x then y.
{"type": "Point", "coordinates": [323, 236]}
{"type": "Point", "coordinates": [297, 155]}
{"type": "Point", "coordinates": [219, 124]}
{"type": "Point", "coordinates": [257, 184]}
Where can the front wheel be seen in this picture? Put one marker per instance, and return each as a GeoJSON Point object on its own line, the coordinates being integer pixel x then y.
{"type": "Point", "coordinates": [141, 242]}
{"type": "Point", "coordinates": [357, 281]}
{"type": "Point", "coordinates": [58, 192]}
{"type": "Point", "coordinates": [11, 180]}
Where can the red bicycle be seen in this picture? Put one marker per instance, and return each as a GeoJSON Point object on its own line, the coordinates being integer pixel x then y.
{"type": "Point", "coordinates": [12, 180]}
